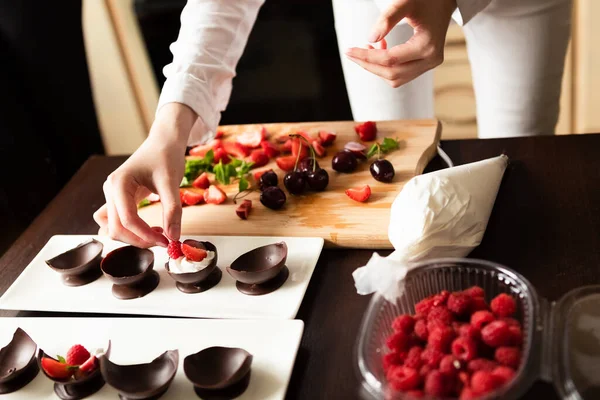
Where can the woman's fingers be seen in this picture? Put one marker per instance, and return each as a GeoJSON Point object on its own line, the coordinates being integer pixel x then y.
{"type": "Point", "coordinates": [386, 57]}
{"type": "Point", "coordinates": [168, 191]}
{"type": "Point", "coordinates": [388, 19]}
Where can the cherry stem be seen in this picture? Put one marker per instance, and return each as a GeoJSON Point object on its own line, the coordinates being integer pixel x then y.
{"type": "Point", "coordinates": [246, 193]}
{"type": "Point", "coordinates": [313, 154]}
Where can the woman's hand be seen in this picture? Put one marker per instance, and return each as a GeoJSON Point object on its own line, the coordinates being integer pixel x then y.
{"type": "Point", "coordinates": [422, 52]}
{"type": "Point", "coordinates": [156, 167]}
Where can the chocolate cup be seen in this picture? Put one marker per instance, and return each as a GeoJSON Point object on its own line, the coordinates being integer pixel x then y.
{"type": "Point", "coordinates": [259, 265]}
{"type": "Point", "coordinates": [130, 269]}
{"type": "Point", "coordinates": [75, 389]}
{"type": "Point", "coordinates": [199, 281]}
{"type": "Point", "coordinates": [141, 381]}
{"type": "Point", "coordinates": [17, 362]}
{"type": "Point", "coordinates": [219, 372]}
{"type": "Point", "coordinates": [80, 265]}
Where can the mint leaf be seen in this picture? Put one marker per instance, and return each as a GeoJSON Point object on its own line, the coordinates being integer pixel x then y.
{"type": "Point", "coordinates": [235, 162]}
{"type": "Point", "coordinates": [61, 359]}
{"type": "Point", "coordinates": [209, 158]}
{"type": "Point", "coordinates": [243, 185]}
{"type": "Point", "coordinates": [184, 182]}
{"type": "Point", "coordinates": [219, 172]}
{"type": "Point", "coordinates": [144, 203]}
{"type": "Point", "coordinates": [244, 168]}
{"type": "Point", "coordinates": [389, 144]}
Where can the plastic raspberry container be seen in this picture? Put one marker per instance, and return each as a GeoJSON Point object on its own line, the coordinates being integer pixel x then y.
{"type": "Point", "coordinates": [561, 340]}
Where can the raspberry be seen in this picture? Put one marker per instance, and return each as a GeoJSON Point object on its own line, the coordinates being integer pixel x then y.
{"type": "Point", "coordinates": [424, 306]}
{"type": "Point", "coordinates": [414, 394]}
{"type": "Point", "coordinates": [398, 341]}
{"type": "Point", "coordinates": [464, 348]}
{"type": "Point", "coordinates": [505, 374]}
{"type": "Point", "coordinates": [404, 323]}
{"type": "Point", "coordinates": [465, 378]}
{"type": "Point", "coordinates": [441, 298]}
{"type": "Point", "coordinates": [421, 329]}
{"type": "Point", "coordinates": [467, 394]}
{"type": "Point", "coordinates": [403, 378]}
{"type": "Point", "coordinates": [478, 304]}
{"type": "Point", "coordinates": [438, 384]}
{"type": "Point", "coordinates": [469, 331]}
{"type": "Point", "coordinates": [441, 338]}
{"type": "Point", "coordinates": [503, 305]}
{"type": "Point", "coordinates": [441, 314]}
{"type": "Point", "coordinates": [174, 250]}
{"type": "Point", "coordinates": [459, 303]}
{"type": "Point", "coordinates": [432, 357]}
{"type": "Point", "coordinates": [508, 356]}
{"type": "Point", "coordinates": [496, 334]}
{"type": "Point", "coordinates": [450, 365]}
{"type": "Point", "coordinates": [483, 382]}
{"type": "Point", "coordinates": [77, 355]}
{"type": "Point", "coordinates": [480, 319]}
{"type": "Point", "coordinates": [434, 324]}
{"type": "Point", "coordinates": [481, 364]}
{"type": "Point", "coordinates": [511, 322]}
{"type": "Point", "coordinates": [392, 359]}
{"type": "Point", "coordinates": [425, 370]}
{"type": "Point", "coordinates": [516, 335]}
{"type": "Point", "coordinates": [413, 359]}
{"type": "Point", "coordinates": [474, 291]}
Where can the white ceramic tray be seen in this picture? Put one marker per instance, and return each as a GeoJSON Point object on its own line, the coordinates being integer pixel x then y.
{"type": "Point", "coordinates": [39, 288]}
{"type": "Point", "coordinates": [274, 345]}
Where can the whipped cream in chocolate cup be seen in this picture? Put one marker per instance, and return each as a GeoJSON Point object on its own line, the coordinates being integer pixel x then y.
{"type": "Point", "coordinates": [18, 366]}
{"type": "Point", "coordinates": [202, 280]}
{"type": "Point", "coordinates": [130, 269]}
{"type": "Point", "coordinates": [80, 265]}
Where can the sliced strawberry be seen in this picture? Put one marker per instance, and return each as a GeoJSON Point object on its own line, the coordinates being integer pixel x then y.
{"type": "Point", "coordinates": [269, 148]}
{"type": "Point", "coordinates": [89, 365]}
{"type": "Point", "coordinates": [222, 156]}
{"type": "Point", "coordinates": [366, 130]}
{"type": "Point", "coordinates": [258, 174]}
{"type": "Point", "coordinates": [282, 139]}
{"type": "Point", "coordinates": [191, 197]}
{"type": "Point", "coordinates": [214, 195]}
{"type": "Point", "coordinates": [299, 147]}
{"type": "Point", "coordinates": [361, 194]}
{"type": "Point", "coordinates": [236, 150]}
{"type": "Point", "coordinates": [286, 147]}
{"type": "Point", "coordinates": [193, 253]}
{"type": "Point", "coordinates": [243, 209]}
{"type": "Point", "coordinates": [306, 136]}
{"type": "Point", "coordinates": [201, 182]}
{"type": "Point", "coordinates": [320, 150]}
{"type": "Point", "coordinates": [286, 163]}
{"type": "Point", "coordinates": [259, 158]}
{"type": "Point", "coordinates": [252, 139]}
{"type": "Point", "coordinates": [216, 144]}
{"type": "Point", "coordinates": [219, 134]}
{"type": "Point", "coordinates": [55, 369]}
{"type": "Point", "coordinates": [200, 151]}
{"type": "Point", "coordinates": [327, 137]}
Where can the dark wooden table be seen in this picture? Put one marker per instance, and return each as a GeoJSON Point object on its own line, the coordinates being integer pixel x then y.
{"type": "Point", "coordinates": [545, 224]}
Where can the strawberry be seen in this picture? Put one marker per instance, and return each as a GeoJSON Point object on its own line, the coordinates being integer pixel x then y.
{"type": "Point", "coordinates": [258, 174]}
{"type": "Point", "coordinates": [193, 253]}
{"type": "Point", "coordinates": [259, 158]}
{"type": "Point", "coordinates": [201, 182]}
{"type": "Point", "coordinates": [286, 163]}
{"type": "Point", "coordinates": [366, 130]}
{"type": "Point", "coordinates": [361, 194]}
{"type": "Point", "coordinates": [252, 139]}
{"type": "Point", "coordinates": [201, 150]}
{"type": "Point", "coordinates": [299, 147]}
{"type": "Point", "coordinates": [216, 144]}
{"type": "Point", "coordinates": [306, 136]}
{"type": "Point", "coordinates": [244, 209]}
{"type": "Point", "coordinates": [320, 150]}
{"type": "Point", "coordinates": [236, 150]}
{"type": "Point", "coordinates": [77, 355]}
{"type": "Point", "coordinates": [286, 147]}
{"type": "Point", "coordinates": [221, 155]}
{"type": "Point", "coordinates": [89, 365]}
{"type": "Point", "coordinates": [55, 369]}
{"type": "Point", "coordinates": [191, 197]}
{"type": "Point", "coordinates": [327, 137]}
{"type": "Point", "coordinates": [214, 195]}
{"type": "Point", "coordinates": [174, 249]}
{"type": "Point", "coordinates": [269, 148]}
{"type": "Point", "coordinates": [219, 134]}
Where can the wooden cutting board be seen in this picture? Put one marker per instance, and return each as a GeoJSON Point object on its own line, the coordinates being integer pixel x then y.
{"type": "Point", "coordinates": [331, 215]}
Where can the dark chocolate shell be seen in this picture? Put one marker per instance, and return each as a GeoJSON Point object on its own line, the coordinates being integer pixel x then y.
{"type": "Point", "coordinates": [259, 265]}
{"type": "Point", "coordinates": [17, 362]}
{"type": "Point", "coordinates": [128, 265]}
{"type": "Point", "coordinates": [141, 381]}
{"type": "Point", "coordinates": [193, 277]}
{"type": "Point", "coordinates": [80, 265]}
{"type": "Point", "coordinates": [217, 368]}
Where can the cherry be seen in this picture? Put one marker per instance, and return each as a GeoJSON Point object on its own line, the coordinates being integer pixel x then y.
{"type": "Point", "coordinates": [382, 170]}
{"type": "Point", "coordinates": [307, 164]}
{"type": "Point", "coordinates": [317, 180]}
{"type": "Point", "coordinates": [268, 179]}
{"type": "Point", "coordinates": [344, 161]}
{"type": "Point", "coordinates": [295, 182]}
{"type": "Point", "coordinates": [273, 197]}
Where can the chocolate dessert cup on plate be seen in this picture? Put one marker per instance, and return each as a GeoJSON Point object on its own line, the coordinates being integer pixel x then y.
{"type": "Point", "coordinates": [17, 362]}
{"type": "Point", "coordinates": [80, 265]}
{"type": "Point", "coordinates": [130, 269]}
{"type": "Point", "coordinates": [199, 281]}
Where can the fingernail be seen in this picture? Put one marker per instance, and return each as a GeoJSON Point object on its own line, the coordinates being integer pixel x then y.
{"type": "Point", "coordinates": [374, 37]}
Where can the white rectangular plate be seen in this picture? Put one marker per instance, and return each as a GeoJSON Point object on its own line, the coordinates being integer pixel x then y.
{"type": "Point", "coordinates": [274, 345]}
{"type": "Point", "coordinates": [39, 288]}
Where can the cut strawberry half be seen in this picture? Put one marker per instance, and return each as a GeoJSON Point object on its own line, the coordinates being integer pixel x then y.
{"type": "Point", "coordinates": [243, 209]}
{"type": "Point", "coordinates": [89, 365]}
{"type": "Point", "coordinates": [286, 163]}
{"type": "Point", "coordinates": [282, 139]}
{"type": "Point", "coordinates": [259, 158]}
{"type": "Point", "coordinates": [214, 195]}
{"type": "Point", "coordinates": [361, 194]}
{"type": "Point", "coordinates": [219, 134]}
{"type": "Point", "coordinates": [193, 253]}
{"type": "Point", "coordinates": [221, 156]}
{"type": "Point", "coordinates": [366, 130]}
{"type": "Point", "coordinates": [252, 139]}
{"type": "Point", "coordinates": [236, 149]}
{"type": "Point", "coordinates": [286, 147]}
{"type": "Point", "coordinates": [319, 149]}
{"type": "Point", "coordinates": [269, 148]}
{"type": "Point", "coordinates": [201, 182]}
{"type": "Point", "coordinates": [191, 197]}
{"type": "Point", "coordinates": [299, 147]}
{"type": "Point", "coordinates": [55, 369]}
{"type": "Point", "coordinates": [327, 137]}
{"type": "Point", "coordinates": [306, 136]}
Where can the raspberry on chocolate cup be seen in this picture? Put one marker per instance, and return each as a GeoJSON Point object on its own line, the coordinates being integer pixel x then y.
{"type": "Point", "coordinates": [202, 280]}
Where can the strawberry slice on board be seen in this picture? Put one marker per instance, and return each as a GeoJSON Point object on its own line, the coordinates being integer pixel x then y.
{"type": "Point", "coordinates": [236, 149]}
{"type": "Point", "coordinates": [327, 137]}
{"type": "Point", "coordinates": [299, 147]}
{"type": "Point", "coordinates": [55, 369]}
{"type": "Point", "coordinates": [193, 253]}
{"type": "Point", "coordinates": [286, 163]}
{"type": "Point", "coordinates": [219, 134]}
{"type": "Point", "coordinates": [319, 149]}
{"type": "Point", "coordinates": [286, 147]}
{"type": "Point", "coordinates": [191, 197]}
{"type": "Point", "coordinates": [222, 156]}
{"type": "Point", "coordinates": [89, 365]}
{"type": "Point", "coordinates": [252, 139]}
{"type": "Point", "coordinates": [360, 194]}
{"type": "Point", "coordinates": [243, 209]}
{"type": "Point", "coordinates": [306, 136]}
{"type": "Point", "coordinates": [259, 158]}
{"type": "Point", "coordinates": [214, 195]}
{"type": "Point", "coordinates": [201, 182]}
{"type": "Point", "coordinates": [367, 131]}
{"type": "Point", "coordinates": [269, 148]}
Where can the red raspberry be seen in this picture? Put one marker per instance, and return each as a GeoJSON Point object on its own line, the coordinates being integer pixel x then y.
{"type": "Point", "coordinates": [460, 303]}
{"type": "Point", "coordinates": [392, 359]}
{"type": "Point", "coordinates": [496, 334]}
{"type": "Point", "coordinates": [425, 370]}
{"type": "Point", "coordinates": [464, 348]}
{"type": "Point", "coordinates": [403, 378]}
{"type": "Point", "coordinates": [478, 304]}
{"type": "Point", "coordinates": [174, 250]}
{"type": "Point", "coordinates": [511, 322]}
{"type": "Point", "coordinates": [465, 378]}
{"type": "Point", "coordinates": [480, 319]}
{"type": "Point", "coordinates": [404, 323]}
{"type": "Point", "coordinates": [77, 355]}
{"type": "Point", "coordinates": [474, 291]}
{"type": "Point", "coordinates": [438, 384]}
{"type": "Point", "coordinates": [481, 364]}
{"type": "Point", "coordinates": [450, 365]}
{"type": "Point", "coordinates": [414, 394]}
{"type": "Point", "coordinates": [516, 336]}
{"type": "Point", "coordinates": [467, 394]}
{"type": "Point", "coordinates": [483, 382]}
{"type": "Point", "coordinates": [503, 305]}
{"type": "Point", "coordinates": [441, 298]}
{"type": "Point", "coordinates": [424, 306]}
{"type": "Point", "coordinates": [469, 331]}
{"type": "Point", "coordinates": [505, 374]}
{"type": "Point", "coordinates": [413, 359]}
{"type": "Point", "coordinates": [421, 329]}
{"type": "Point", "coordinates": [441, 338]}
{"type": "Point", "coordinates": [441, 314]}
{"type": "Point", "coordinates": [398, 341]}
{"type": "Point", "coordinates": [509, 356]}
{"type": "Point", "coordinates": [432, 357]}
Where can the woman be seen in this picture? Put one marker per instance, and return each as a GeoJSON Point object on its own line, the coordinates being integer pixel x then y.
{"type": "Point", "coordinates": [517, 50]}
